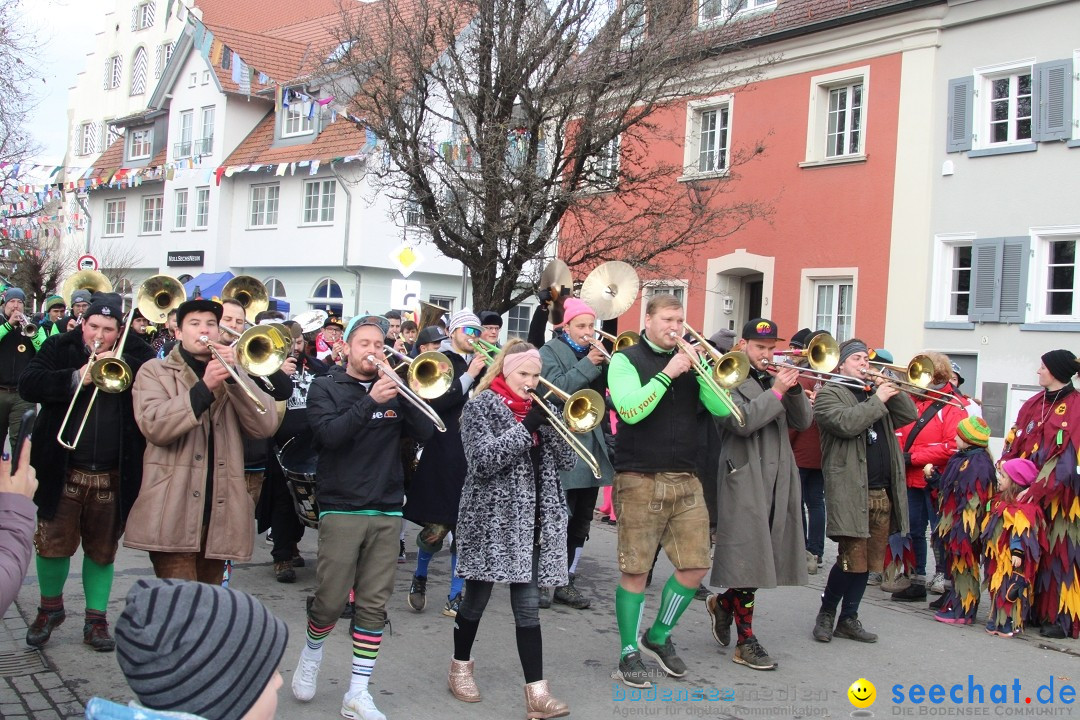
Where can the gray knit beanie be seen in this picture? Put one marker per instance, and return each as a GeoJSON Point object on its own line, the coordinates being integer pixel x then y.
{"type": "Point", "coordinates": [197, 648]}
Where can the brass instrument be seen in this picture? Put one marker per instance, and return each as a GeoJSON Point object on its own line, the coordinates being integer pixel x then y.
{"type": "Point", "coordinates": [822, 355]}
{"type": "Point", "coordinates": [91, 280]}
{"type": "Point", "coordinates": [259, 407]}
{"type": "Point", "coordinates": [157, 295]}
{"type": "Point", "coordinates": [919, 373]}
{"type": "Point", "coordinates": [721, 373]}
{"type": "Point", "coordinates": [621, 341]}
{"type": "Point", "coordinates": [408, 394]}
{"type": "Point", "coordinates": [249, 292]}
{"type": "Point", "coordinates": [565, 432]}
{"type": "Point", "coordinates": [430, 373]}
{"type": "Point", "coordinates": [429, 314]}
{"type": "Point", "coordinates": [26, 328]}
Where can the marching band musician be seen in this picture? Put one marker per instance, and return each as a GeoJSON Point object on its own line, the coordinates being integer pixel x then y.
{"type": "Point", "coordinates": [193, 511]}
{"type": "Point", "coordinates": [572, 363]}
{"type": "Point", "coordinates": [16, 351]}
{"type": "Point", "coordinates": [865, 484]}
{"type": "Point", "coordinates": [55, 307]}
{"type": "Point", "coordinates": [660, 404]}
{"type": "Point", "coordinates": [357, 420]}
{"type": "Point", "coordinates": [436, 485]}
{"type": "Point", "coordinates": [80, 301]}
{"type": "Point", "coordinates": [83, 494]}
{"type": "Point", "coordinates": [759, 538]}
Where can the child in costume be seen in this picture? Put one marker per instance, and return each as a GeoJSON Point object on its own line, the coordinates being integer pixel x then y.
{"type": "Point", "coordinates": [963, 491]}
{"type": "Point", "coordinates": [1014, 533]}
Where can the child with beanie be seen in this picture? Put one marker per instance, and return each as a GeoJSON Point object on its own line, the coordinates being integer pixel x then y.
{"type": "Point", "coordinates": [195, 651]}
{"type": "Point", "coordinates": [1013, 534]}
{"type": "Point", "coordinates": [964, 488]}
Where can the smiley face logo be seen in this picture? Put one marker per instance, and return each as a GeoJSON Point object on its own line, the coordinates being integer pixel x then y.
{"type": "Point", "coordinates": [862, 693]}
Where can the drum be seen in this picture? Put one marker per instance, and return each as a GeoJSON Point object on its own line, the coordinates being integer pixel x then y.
{"type": "Point", "coordinates": [298, 459]}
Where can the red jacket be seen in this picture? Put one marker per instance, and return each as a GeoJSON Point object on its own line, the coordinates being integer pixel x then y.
{"type": "Point", "coordinates": [935, 443]}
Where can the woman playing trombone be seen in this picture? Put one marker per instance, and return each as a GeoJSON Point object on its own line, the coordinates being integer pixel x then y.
{"type": "Point", "coordinates": [512, 519]}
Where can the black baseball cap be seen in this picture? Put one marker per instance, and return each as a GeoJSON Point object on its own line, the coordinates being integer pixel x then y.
{"type": "Point", "coordinates": [760, 329]}
{"type": "Point", "coordinates": [430, 334]}
{"type": "Point", "coordinates": [197, 305]}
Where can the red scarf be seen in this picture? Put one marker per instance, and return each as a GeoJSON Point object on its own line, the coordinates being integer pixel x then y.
{"type": "Point", "coordinates": [518, 405]}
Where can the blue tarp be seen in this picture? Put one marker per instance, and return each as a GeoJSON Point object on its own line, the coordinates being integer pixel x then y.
{"type": "Point", "coordinates": [209, 284]}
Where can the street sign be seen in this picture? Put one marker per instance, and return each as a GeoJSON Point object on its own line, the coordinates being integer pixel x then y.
{"type": "Point", "coordinates": [404, 294]}
{"type": "Point", "coordinates": [406, 258]}
{"type": "Point", "coordinates": [87, 262]}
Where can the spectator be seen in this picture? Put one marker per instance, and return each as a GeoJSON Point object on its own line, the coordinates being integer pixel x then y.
{"type": "Point", "coordinates": [17, 513]}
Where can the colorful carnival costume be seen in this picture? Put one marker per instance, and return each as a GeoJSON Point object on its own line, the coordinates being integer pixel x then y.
{"type": "Point", "coordinates": [1011, 527]}
{"type": "Point", "coordinates": [1047, 431]}
{"type": "Point", "coordinates": [963, 489]}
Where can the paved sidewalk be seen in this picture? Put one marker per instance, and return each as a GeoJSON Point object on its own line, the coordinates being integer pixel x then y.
{"type": "Point", "coordinates": [29, 687]}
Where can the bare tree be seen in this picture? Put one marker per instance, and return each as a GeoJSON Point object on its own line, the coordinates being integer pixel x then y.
{"type": "Point", "coordinates": [117, 261]}
{"type": "Point", "coordinates": [38, 263]}
{"type": "Point", "coordinates": [507, 123]}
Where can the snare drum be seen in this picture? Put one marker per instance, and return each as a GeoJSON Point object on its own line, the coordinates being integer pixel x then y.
{"type": "Point", "coordinates": [298, 459]}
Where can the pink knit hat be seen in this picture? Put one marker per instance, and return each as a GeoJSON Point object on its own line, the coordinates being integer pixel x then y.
{"type": "Point", "coordinates": [1021, 471]}
{"type": "Point", "coordinates": [573, 307]}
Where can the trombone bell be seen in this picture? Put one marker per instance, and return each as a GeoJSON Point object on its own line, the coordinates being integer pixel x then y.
{"type": "Point", "coordinates": [250, 293]}
{"type": "Point", "coordinates": [262, 350]}
{"type": "Point", "coordinates": [111, 375]}
{"type": "Point", "coordinates": [430, 374]}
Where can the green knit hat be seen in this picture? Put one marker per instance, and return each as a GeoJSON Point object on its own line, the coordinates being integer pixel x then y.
{"type": "Point", "coordinates": [974, 430]}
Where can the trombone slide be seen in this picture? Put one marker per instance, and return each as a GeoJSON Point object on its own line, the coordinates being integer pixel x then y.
{"type": "Point", "coordinates": [408, 394]}
{"type": "Point", "coordinates": [259, 407]}
{"type": "Point", "coordinates": [566, 434]}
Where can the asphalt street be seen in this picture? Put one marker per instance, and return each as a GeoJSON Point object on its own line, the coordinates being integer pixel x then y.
{"type": "Point", "coordinates": [913, 654]}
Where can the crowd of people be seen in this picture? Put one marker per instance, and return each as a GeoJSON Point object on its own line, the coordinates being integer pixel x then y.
{"type": "Point", "coordinates": [742, 482]}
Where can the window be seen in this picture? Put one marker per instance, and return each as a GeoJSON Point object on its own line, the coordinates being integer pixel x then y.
{"type": "Point", "coordinates": [517, 321]}
{"type": "Point", "coordinates": [634, 21]}
{"type": "Point", "coordinates": [109, 134]}
{"type": "Point", "coordinates": [414, 214]}
{"type": "Point", "coordinates": [322, 298]}
{"type": "Point", "coordinates": [182, 149]}
{"type": "Point", "coordinates": [205, 146]}
{"type": "Point", "coordinates": [844, 136]}
{"type": "Point", "coordinates": [88, 138]}
{"type": "Point", "coordinates": [444, 301]}
{"type": "Point", "coordinates": [114, 216]}
{"type": "Point", "coordinates": [138, 72]}
{"type": "Point", "coordinates": [152, 211]}
{"type": "Point", "coordinates": [275, 288]}
{"type": "Point", "coordinates": [205, 77]}
{"type": "Point", "coordinates": [713, 10]}
{"type": "Point", "coordinates": [140, 144]}
{"type": "Point", "coordinates": [264, 205]}
{"type": "Point", "coordinates": [834, 307]}
{"type": "Point", "coordinates": [603, 170]}
{"type": "Point", "coordinates": [708, 126]}
{"type": "Point", "coordinates": [960, 280]}
{"type": "Point", "coordinates": [999, 269]}
{"type": "Point", "coordinates": [180, 221]}
{"type": "Point", "coordinates": [193, 79]}
{"type": "Point", "coordinates": [950, 288]}
{"type": "Point", "coordinates": [1008, 107]}
{"type": "Point", "coordinates": [836, 127]}
{"type": "Point", "coordinates": [1057, 291]}
{"type": "Point", "coordinates": [296, 115]}
{"type": "Point", "coordinates": [164, 52]}
{"type": "Point", "coordinates": [202, 208]}
{"type": "Point", "coordinates": [142, 16]}
{"type": "Point", "coordinates": [319, 201]}
{"type": "Point", "coordinates": [114, 70]}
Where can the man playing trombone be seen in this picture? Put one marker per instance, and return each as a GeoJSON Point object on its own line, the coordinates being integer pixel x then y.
{"type": "Point", "coordinates": [19, 342]}
{"type": "Point", "coordinates": [759, 538]}
{"type": "Point", "coordinates": [661, 407]}
{"type": "Point", "coordinates": [84, 494]}
{"type": "Point", "coordinates": [193, 511]}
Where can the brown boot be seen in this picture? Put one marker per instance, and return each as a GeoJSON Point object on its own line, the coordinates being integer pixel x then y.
{"type": "Point", "coordinates": [461, 681]}
{"type": "Point", "coordinates": [96, 635]}
{"type": "Point", "coordinates": [284, 572]}
{"type": "Point", "coordinates": [539, 702]}
{"type": "Point", "coordinates": [41, 629]}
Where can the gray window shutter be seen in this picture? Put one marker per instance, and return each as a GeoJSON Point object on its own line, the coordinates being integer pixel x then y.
{"type": "Point", "coordinates": [1052, 89]}
{"type": "Point", "coordinates": [961, 100]}
{"type": "Point", "coordinates": [135, 17]}
{"type": "Point", "coordinates": [985, 279]}
{"type": "Point", "coordinates": [1014, 271]}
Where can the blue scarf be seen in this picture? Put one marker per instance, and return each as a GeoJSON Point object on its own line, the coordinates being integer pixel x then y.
{"type": "Point", "coordinates": [584, 349]}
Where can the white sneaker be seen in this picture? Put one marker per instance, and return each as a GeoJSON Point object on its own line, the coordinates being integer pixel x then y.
{"type": "Point", "coordinates": [811, 563]}
{"type": "Point", "coordinates": [360, 706]}
{"type": "Point", "coordinates": [303, 682]}
{"type": "Point", "coordinates": [937, 584]}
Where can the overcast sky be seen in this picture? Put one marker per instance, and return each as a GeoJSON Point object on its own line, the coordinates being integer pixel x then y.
{"type": "Point", "coordinates": [65, 31]}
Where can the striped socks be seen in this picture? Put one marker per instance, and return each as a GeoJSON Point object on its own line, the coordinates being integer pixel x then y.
{"type": "Point", "coordinates": [673, 602]}
{"type": "Point", "coordinates": [316, 636]}
{"type": "Point", "coordinates": [365, 648]}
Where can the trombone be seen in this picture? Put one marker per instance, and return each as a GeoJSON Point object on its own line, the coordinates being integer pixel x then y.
{"type": "Point", "coordinates": [582, 411]}
{"type": "Point", "coordinates": [408, 393]}
{"type": "Point", "coordinates": [618, 342]}
{"type": "Point", "coordinates": [720, 373]}
{"type": "Point", "coordinates": [259, 407]}
{"type": "Point", "coordinates": [822, 355]}
{"type": "Point", "coordinates": [158, 295]}
{"type": "Point", "coordinates": [920, 373]}
{"type": "Point", "coordinates": [430, 373]}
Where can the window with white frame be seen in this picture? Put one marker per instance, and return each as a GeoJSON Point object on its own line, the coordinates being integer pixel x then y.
{"type": "Point", "coordinates": [182, 149]}
{"type": "Point", "coordinates": [1006, 107]}
{"type": "Point", "coordinates": [202, 208]}
{"type": "Point", "coordinates": [1057, 287]}
{"type": "Point", "coordinates": [951, 285]}
{"type": "Point", "coordinates": [836, 127]}
{"type": "Point", "coordinates": [114, 216]}
{"type": "Point", "coordinates": [446, 302]}
{"type": "Point", "coordinates": [140, 144]}
{"type": "Point", "coordinates": [114, 71]}
{"type": "Point", "coordinates": [634, 20]}
{"type": "Point", "coordinates": [603, 169]}
{"type": "Point", "coordinates": [319, 198]}
{"type": "Point", "coordinates": [834, 307]}
{"type": "Point", "coordinates": [153, 208]}
{"type": "Point", "coordinates": [327, 296]}
{"type": "Point", "coordinates": [708, 136]}
{"type": "Point", "coordinates": [164, 52]}
{"type": "Point", "coordinates": [88, 138]}
{"type": "Point", "coordinates": [653, 289]}
{"type": "Point", "coordinates": [138, 71]}
{"type": "Point", "coordinates": [181, 215]}
{"type": "Point", "coordinates": [296, 114]}
{"type": "Point", "coordinates": [517, 321]}
{"type": "Point", "coordinates": [108, 134]}
{"type": "Point", "coordinates": [719, 10]}
{"type": "Point", "coordinates": [275, 288]}
{"type": "Point", "coordinates": [205, 146]}
{"type": "Point", "coordinates": [142, 16]}
{"type": "Point", "coordinates": [414, 214]}
{"type": "Point", "coordinates": [264, 205]}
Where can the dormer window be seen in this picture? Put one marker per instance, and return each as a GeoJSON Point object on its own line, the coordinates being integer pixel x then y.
{"type": "Point", "coordinates": [140, 144]}
{"type": "Point", "coordinates": [297, 114]}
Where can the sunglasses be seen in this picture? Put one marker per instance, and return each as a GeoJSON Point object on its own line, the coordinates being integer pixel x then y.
{"type": "Point", "coordinates": [471, 331]}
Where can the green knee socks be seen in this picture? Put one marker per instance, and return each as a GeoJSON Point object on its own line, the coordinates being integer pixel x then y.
{"type": "Point", "coordinates": [628, 609]}
{"type": "Point", "coordinates": [97, 584]}
{"type": "Point", "coordinates": [52, 574]}
{"type": "Point", "coordinates": [673, 602]}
